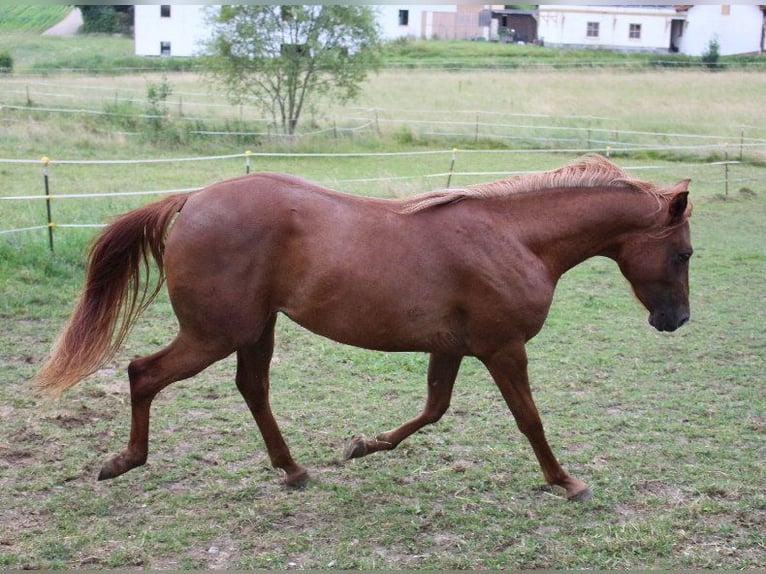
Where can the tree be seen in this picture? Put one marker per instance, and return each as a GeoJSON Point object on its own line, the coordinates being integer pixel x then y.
{"type": "Point", "coordinates": [282, 56]}
{"type": "Point", "coordinates": [106, 19]}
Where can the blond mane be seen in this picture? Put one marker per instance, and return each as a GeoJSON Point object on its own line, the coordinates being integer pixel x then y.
{"type": "Point", "coordinates": [592, 170]}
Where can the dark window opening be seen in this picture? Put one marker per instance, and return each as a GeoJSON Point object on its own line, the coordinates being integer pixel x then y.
{"type": "Point", "coordinates": [294, 50]}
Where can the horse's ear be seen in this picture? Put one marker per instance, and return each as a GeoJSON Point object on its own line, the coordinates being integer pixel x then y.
{"type": "Point", "coordinates": [682, 185]}
{"type": "Point", "coordinates": [678, 202]}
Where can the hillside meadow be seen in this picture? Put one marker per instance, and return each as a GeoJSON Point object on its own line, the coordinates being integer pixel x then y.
{"type": "Point", "coordinates": [667, 428]}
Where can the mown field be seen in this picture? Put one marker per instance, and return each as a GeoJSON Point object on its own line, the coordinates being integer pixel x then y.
{"type": "Point", "coordinates": [17, 18]}
{"type": "Point", "coordinates": [668, 429]}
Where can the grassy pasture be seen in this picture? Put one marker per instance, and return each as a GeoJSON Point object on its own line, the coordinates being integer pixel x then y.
{"type": "Point", "coordinates": [667, 429]}
{"type": "Point", "coordinates": [18, 18]}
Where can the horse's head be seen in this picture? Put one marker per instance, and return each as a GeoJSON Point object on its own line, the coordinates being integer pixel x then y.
{"type": "Point", "coordinates": [656, 261]}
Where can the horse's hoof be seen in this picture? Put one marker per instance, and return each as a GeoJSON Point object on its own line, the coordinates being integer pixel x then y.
{"type": "Point", "coordinates": [582, 496]}
{"type": "Point", "coordinates": [298, 479]}
{"type": "Point", "coordinates": [105, 474]}
{"type": "Point", "coordinates": [356, 447]}
{"type": "Point", "coordinates": [118, 465]}
{"type": "Point", "coordinates": [111, 469]}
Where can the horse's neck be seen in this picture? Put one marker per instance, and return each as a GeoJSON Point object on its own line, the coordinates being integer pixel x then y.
{"type": "Point", "coordinates": [566, 227]}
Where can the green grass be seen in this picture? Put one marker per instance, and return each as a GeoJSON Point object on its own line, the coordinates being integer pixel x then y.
{"type": "Point", "coordinates": [92, 53]}
{"type": "Point", "coordinates": [455, 55]}
{"type": "Point", "coordinates": [463, 54]}
{"type": "Point", "coordinates": [34, 18]}
{"type": "Point", "coordinates": [667, 428]}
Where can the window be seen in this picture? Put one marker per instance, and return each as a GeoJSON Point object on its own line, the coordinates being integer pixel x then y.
{"type": "Point", "coordinates": [294, 50]}
{"type": "Point", "coordinates": [404, 17]}
{"type": "Point", "coordinates": [165, 11]}
{"type": "Point", "coordinates": [164, 48]}
{"type": "Point", "coordinates": [635, 32]}
{"type": "Point", "coordinates": [592, 31]}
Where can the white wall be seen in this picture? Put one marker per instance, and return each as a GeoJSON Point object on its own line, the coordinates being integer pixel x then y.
{"type": "Point", "coordinates": [419, 24]}
{"type": "Point", "coordinates": [567, 26]}
{"type": "Point", "coordinates": [737, 32]}
{"type": "Point", "coordinates": [184, 29]}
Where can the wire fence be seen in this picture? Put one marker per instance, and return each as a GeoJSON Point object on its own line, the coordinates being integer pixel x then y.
{"type": "Point", "coordinates": [585, 131]}
{"type": "Point", "coordinates": [494, 136]}
{"type": "Point", "coordinates": [721, 175]}
{"type": "Point", "coordinates": [207, 115]}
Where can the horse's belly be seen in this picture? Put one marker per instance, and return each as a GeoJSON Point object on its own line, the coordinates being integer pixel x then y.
{"type": "Point", "coordinates": [374, 323]}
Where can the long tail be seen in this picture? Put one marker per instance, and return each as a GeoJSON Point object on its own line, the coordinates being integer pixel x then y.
{"type": "Point", "coordinates": [114, 294]}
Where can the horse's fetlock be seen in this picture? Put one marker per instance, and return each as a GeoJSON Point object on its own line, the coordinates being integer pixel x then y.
{"type": "Point", "coordinates": [382, 443]}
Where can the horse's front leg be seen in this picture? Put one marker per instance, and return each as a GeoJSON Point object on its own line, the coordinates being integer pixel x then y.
{"type": "Point", "coordinates": [509, 370]}
{"type": "Point", "coordinates": [442, 372]}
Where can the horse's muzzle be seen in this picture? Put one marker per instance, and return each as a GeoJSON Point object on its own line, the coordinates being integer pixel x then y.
{"type": "Point", "coordinates": [664, 321]}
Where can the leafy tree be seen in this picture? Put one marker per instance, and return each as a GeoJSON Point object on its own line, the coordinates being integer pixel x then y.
{"type": "Point", "coordinates": [106, 19]}
{"type": "Point", "coordinates": [282, 56]}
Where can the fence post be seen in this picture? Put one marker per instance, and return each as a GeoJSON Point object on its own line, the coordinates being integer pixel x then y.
{"type": "Point", "coordinates": [46, 162]}
{"type": "Point", "coordinates": [452, 166]}
{"type": "Point", "coordinates": [248, 153]}
{"type": "Point", "coordinates": [741, 143]}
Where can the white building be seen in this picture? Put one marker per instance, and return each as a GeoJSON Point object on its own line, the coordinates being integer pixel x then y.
{"type": "Point", "coordinates": [443, 21]}
{"type": "Point", "coordinates": [630, 28]}
{"type": "Point", "coordinates": [738, 28]}
{"type": "Point", "coordinates": [169, 29]}
{"type": "Point", "coordinates": [688, 29]}
{"type": "Point", "coordinates": [180, 30]}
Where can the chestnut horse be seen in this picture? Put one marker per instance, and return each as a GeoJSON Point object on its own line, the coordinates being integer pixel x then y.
{"type": "Point", "coordinates": [454, 273]}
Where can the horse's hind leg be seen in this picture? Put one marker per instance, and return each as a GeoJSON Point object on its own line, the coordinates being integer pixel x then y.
{"type": "Point", "coordinates": [253, 382]}
{"type": "Point", "coordinates": [442, 372]}
{"type": "Point", "coordinates": [148, 376]}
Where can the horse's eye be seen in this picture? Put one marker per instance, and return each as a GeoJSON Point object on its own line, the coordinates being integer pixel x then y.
{"type": "Point", "coordinates": [684, 257]}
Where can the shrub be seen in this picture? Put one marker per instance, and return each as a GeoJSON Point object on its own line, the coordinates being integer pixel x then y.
{"type": "Point", "coordinates": [6, 62]}
{"type": "Point", "coordinates": [711, 55]}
